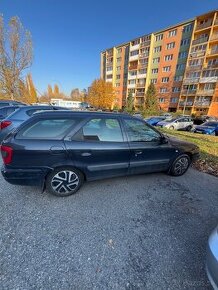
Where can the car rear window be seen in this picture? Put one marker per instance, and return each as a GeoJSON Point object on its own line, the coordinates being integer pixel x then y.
{"type": "Point", "coordinates": [54, 129]}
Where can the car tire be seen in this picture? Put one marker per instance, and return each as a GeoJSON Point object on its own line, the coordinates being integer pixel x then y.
{"type": "Point", "coordinates": [64, 181]}
{"type": "Point", "coordinates": [171, 128]}
{"type": "Point", "coordinates": [180, 165]}
{"type": "Point", "coordinates": [189, 128]}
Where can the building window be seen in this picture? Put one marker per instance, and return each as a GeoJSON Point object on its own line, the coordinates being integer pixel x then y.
{"type": "Point", "coordinates": [163, 90]}
{"type": "Point", "coordinates": [165, 80]}
{"type": "Point", "coordinates": [154, 71]}
{"type": "Point", "coordinates": [187, 28]}
{"type": "Point", "coordinates": [134, 52]}
{"type": "Point", "coordinates": [117, 77]}
{"type": "Point", "coordinates": [183, 54]}
{"type": "Point", "coordinates": [109, 68]}
{"type": "Point", "coordinates": [166, 68]}
{"type": "Point", "coordinates": [156, 60]}
{"type": "Point", "coordinates": [172, 33]}
{"type": "Point", "coordinates": [171, 45]}
{"type": "Point", "coordinates": [168, 57]}
{"type": "Point", "coordinates": [185, 41]}
{"type": "Point", "coordinates": [157, 49]}
{"type": "Point", "coordinates": [119, 50]}
{"type": "Point", "coordinates": [142, 71]}
{"type": "Point", "coordinates": [195, 62]}
{"type": "Point", "coordinates": [159, 37]}
{"type": "Point", "coordinates": [135, 42]}
{"type": "Point", "coordinates": [210, 73]}
{"type": "Point", "coordinates": [119, 59]}
{"type": "Point", "coordinates": [133, 73]}
{"type": "Point", "coordinates": [132, 82]}
{"type": "Point", "coordinates": [153, 81]}
{"type": "Point", "coordinates": [161, 100]}
{"type": "Point", "coordinates": [180, 66]}
{"type": "Point", "coordinates": [173, 100]}
{"type": "Point", "coordinates": [118, 68]}
{"type": "Point", "coordinates": [175, 89]}
{"type": "Point", "coordinates": [109, 76]}
{"type": "Point", "coordinates": [117, 84]}
{"type": "Point", "coordinates": [178, 78]}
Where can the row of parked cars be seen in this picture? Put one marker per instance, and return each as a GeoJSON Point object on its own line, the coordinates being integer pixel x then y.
{"type": "Point", "coordinates": [59, 149]}
{"type": "Point", "coordinates": [203, 125]}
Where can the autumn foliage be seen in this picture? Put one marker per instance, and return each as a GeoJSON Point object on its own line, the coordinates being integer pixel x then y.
{"type": "Point", "coordinates": [101, 94]}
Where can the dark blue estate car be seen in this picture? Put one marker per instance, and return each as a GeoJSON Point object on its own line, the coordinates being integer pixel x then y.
{"type": "Point", "coordinates": [61, 149]}
{"type": "Point", "coordinates": [209, 128]}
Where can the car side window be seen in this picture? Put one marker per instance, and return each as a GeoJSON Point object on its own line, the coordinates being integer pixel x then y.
{"type": "Point", "coordinates": [33, 111]}
{"type": "Point", "coordinates": [138, 131]}
{"type": "Point", "coordinates": [103, 130]}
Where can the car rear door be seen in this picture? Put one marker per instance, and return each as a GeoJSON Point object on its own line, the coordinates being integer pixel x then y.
{"type": "Point", "coordinates": [99, 148]}
{"type": "Point", "coordinates": [147, 152]}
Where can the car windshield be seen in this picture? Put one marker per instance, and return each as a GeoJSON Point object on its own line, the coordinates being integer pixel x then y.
{"type": "Point", "coordinates": [211, 124]}
{"type": "Point", "coordinates": [170, 120]}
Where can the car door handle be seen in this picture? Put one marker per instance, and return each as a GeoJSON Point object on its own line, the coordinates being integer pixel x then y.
{"type": "Point", "coordinates": [86, 154]}
{"type": "Point", "coordinates": [137, 153]}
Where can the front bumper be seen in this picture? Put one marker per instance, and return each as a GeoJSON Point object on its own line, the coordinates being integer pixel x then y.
{"type": "Point", "coordinates": [212, 259]}
{"type": "Point", "coordinates": [31, 176]}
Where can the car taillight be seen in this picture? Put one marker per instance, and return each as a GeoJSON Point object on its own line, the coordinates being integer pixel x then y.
{"type": "Point", "coordinates": [5, 124]}
{"type": "Point", "coordinates": [7, 153]}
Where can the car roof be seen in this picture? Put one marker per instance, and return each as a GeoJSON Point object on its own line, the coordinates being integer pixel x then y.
{"type": "Point", "coordinates": [81, 113]}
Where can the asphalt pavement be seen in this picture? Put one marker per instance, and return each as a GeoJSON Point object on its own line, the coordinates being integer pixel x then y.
{"type": "Point", "coordinates": [140, 232]}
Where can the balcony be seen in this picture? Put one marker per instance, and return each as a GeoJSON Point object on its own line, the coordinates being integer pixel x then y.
{"type": "Point", "coordinates": [204, 25]}
{"type": "Point", "coordinates": [109, 80]}
{"type": "Point", "coordinates": [187, 104]}
{"type": "Point", "coordinates": [191, 80]}
{"type": "Point", "coordinates": [142, 76]}
{"type": "Point", "coordinates": [197, 54]}
{"type": "Point", "coordinates": [202, 103]}
{"type": "Point", "coordinates": [208, 80]}
{"type": "Point", "coordinates": [133, 57]}
{"type": "Point", "coordinates": [214, 37]}
{"type": "Point", "coordinates": [213, 52]}
{"type": "Point", "coordinates": [143, 65]}
{"type": "Point", "coordinates": [194, 68]}
{"type": "Point", "coordinates": [131, 86]}
{"type": "Point", "coordinates": [212, 65]}
{"type": "Point", "coordinates": [140, 85]}
{"type": "Point", "coordinates": [134, 47]}
{"type": "Point", "coordinates": [109, 63]}
{"type": "Point", "coordinates": [133, 67]}
{"type": "Point", "coordinates": [188, 92]}
{"type": "Point", "coordinates": [144, 54]}
{"type": "Point", "coordinates": [200, 40]}
{"type": "Point", "coordinates": [109, 72]}
{"type": "Point", "coordinates": [146, 43]}
{"type": "Point", "coordinates": [132, 77]}
{"type": "Point", "coordinates": [205, 92]}
{"type": "Point", "coordinates": [140, 94]}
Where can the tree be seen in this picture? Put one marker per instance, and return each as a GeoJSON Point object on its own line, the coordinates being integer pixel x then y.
{"type": "Point", "coordinates": [32, 98]}
{"type": "Point", "coordinates": [56, 91]}
{"type": "Point", "coordinates": [101, 94]}
{"type": "Point", "coordinates": [15, 56]}
{"type": "Point", "coordinates": [129, 102]}
{"type": "Point", "coordinates": [50, 91]}
{"type": "Point", "coordinates": [151, 103]}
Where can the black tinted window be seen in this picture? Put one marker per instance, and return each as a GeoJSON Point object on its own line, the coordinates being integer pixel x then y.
{"type": "Point", "coordinates": [138, 131]}
{"type": "Point", "coordinates": [47, 129]}
{"type": "Point", "coordinates": [4, 104]}
{"type": "Point", "coordinates": [100, 130]}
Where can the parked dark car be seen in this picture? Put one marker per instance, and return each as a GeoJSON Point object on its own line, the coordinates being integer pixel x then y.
{"type": "Point", "coordinates": [154, 120]}
{"type": "Point", "coordinates": [5, 103]}
{"type": "Point", "coordinates": [19, 116]}
{"type": "Point", "coordinates": [62, 149]}
{"type": "Point", "coordinates": [6, 111]}
{"type": "Point", "coordinates": [212, 259]}
{"type": "Point", "coordinates": [209, 128]}
{"type": "Point", "coordinates": [202, 119]}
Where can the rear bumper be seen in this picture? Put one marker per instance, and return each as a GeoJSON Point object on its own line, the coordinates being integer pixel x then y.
{"type": "Point", "coordinates": [31, 176]}
{"type": "Point", "coordinates": [212, 259]}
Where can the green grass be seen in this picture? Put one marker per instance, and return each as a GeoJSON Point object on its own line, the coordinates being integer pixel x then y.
{"type": "Point", "coordinates": [208, 147]}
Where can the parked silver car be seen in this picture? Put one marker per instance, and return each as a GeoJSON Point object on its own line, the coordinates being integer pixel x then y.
{"type": "Point", "coordinates": [180, 123]}
{"type": "Point", "coordinates": [212, 259]}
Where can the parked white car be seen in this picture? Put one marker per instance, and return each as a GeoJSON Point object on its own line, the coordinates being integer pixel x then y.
{"type": "Point", "coordinates": [181, 123]}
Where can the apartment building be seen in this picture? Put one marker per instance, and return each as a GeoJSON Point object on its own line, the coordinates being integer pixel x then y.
{"type": "Point", "coordinates": [181, 61]}
{"type": "Point", "coordinates": [199, 93]}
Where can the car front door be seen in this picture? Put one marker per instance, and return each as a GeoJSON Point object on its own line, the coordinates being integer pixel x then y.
{"type": "Point", "coordinates": [148, 151]}
{"type": "Point", "coordinates": [99, 148]}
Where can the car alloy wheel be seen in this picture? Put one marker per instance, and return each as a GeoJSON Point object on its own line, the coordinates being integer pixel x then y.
{"type": "Point", "coordinates": [180, 165]}
{"type": "Point", "coordinates": [64, 182]}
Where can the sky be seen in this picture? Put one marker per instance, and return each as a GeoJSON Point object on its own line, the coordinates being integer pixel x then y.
{"type": "Point", "coordinates": [69, 35]}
